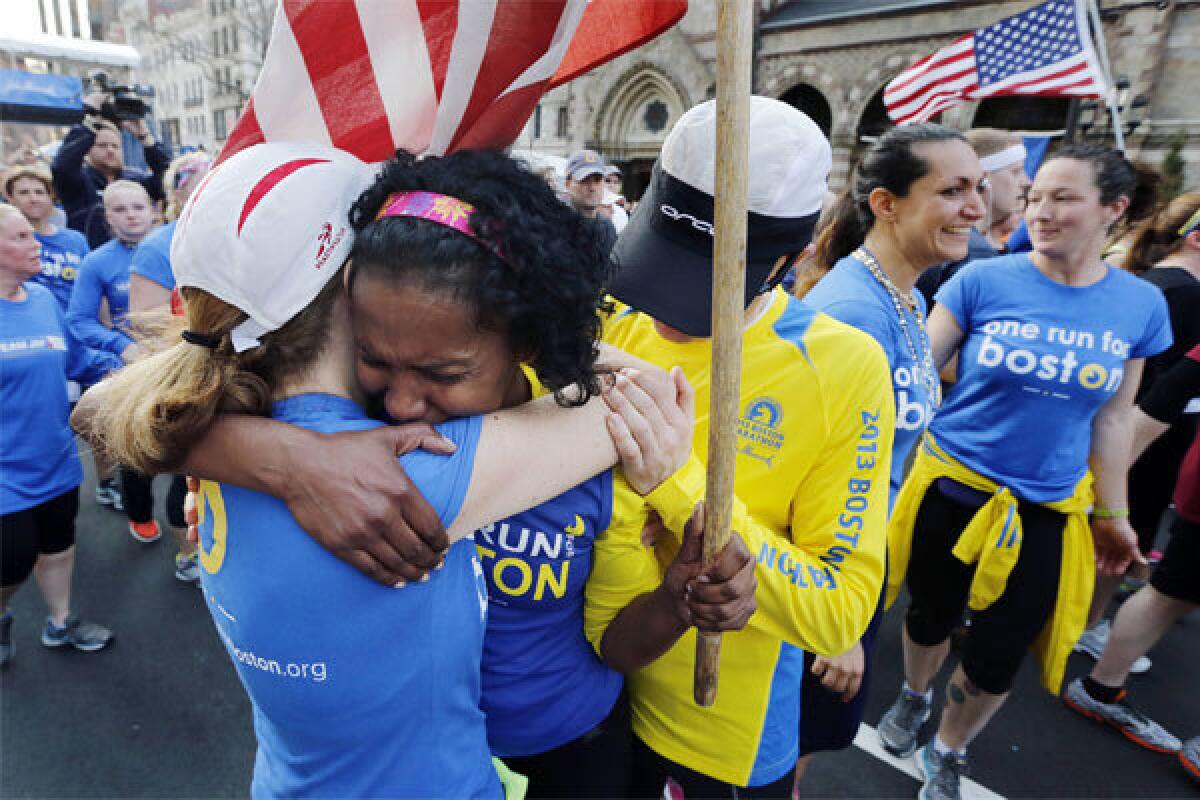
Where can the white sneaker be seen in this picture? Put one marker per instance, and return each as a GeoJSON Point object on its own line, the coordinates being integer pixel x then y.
{"type": "Point", "coordinates": [1094, 640]}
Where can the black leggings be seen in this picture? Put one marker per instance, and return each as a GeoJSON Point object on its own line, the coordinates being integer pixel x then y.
{"type": "Point", "coordinates": [939, 585]}
{"type": "Point", "coordinates": [176, 495]}
{"type": "Point", "coordinates": [1178, 574]}
{"type": "Point", "coordinates": [137, 490]}
{"type": "Point", "coordinates": [826, 721]}
{"type": "Point", "coordinates": [593, 765]}
{"type": "Point", "coordinates": [47, 528]}
{"type": "Point", "coordinates": [651, 772]}
{"type": "Point", "coordinates": [1152, 480]}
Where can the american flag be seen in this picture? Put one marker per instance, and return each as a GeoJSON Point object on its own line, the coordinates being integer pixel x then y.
{"type": "Point", "coordinates": [371, 76]}
{"type": "Point", "coordinates": [1046, 50]}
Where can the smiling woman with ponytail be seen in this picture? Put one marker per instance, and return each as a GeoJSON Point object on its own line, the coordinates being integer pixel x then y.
{"type": "Point", "coordinates": [912, 204]}
{"type": "Point", "coordinates": [159, 406]}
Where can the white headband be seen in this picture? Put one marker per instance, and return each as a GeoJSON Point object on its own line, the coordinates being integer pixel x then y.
{"type": "Point", "coordinates": [1005, 158]}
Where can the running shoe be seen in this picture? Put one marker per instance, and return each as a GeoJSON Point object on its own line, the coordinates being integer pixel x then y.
{"type": "Point", "coordinates": [900, 725]}
{"type": "Point", "coordinates": [1189, 756]}
{"type": "Point", "coordinates": [108, 493]}
{"type": "Point", "coordinates": [942, 774]}
{"type": "Point", "coordinates": [6, 645]}
{"type": "Point", "coordinates": [187, 568]}
{"type": "Point", "coordinates": [1133, 724]}
{"type": "Point", "coordinates": [85, 636]}
{"type": "Point", "coordinates": [145, 532]}
{"type": "Point", "coordinates": [1094, 640]}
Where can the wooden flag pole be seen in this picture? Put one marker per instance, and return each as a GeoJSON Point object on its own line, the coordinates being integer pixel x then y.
{"type": "Point", "coordinates": [734, 48]}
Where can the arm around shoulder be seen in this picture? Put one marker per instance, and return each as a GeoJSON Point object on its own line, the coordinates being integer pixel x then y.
{"type": "Point", "coordinates": [529, 454]}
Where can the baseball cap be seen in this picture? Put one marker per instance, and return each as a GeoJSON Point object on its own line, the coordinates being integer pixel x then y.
{"type": "Point", "coordinates": [267, 229]}
{"type": "Point", "coordinates": [664, 255]}
{"type": "Point", "coordinates": [584, 163]}
{"type": "Point", "coordinates": [612, 169]}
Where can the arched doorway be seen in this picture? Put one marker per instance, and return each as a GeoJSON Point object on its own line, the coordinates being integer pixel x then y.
{"type": "Point", "coordinates": [634, 120]}
{"type": "Point", "coordinates": [874, 120]}
{"type": "Point", "coordinates": [809, 99]}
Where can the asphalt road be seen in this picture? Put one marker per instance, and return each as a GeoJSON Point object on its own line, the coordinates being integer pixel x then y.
{"type": "Point", "coordinates": [160, 713]}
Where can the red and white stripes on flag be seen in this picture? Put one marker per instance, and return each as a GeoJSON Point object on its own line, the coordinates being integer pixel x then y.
{"type": "Point", "coordinates": [372, 76]}
{"type": "Point", "coordinates": [1045, 50]}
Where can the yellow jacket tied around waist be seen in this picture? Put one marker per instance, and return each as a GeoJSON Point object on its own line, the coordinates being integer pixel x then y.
{"type": "Point", "coordinates": [992, 541]}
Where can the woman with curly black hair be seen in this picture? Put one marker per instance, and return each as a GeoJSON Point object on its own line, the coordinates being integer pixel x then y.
{"type": "Point", "coordinates": [532, 269]}
{"type": "Point", "coordinates": [538, 277]}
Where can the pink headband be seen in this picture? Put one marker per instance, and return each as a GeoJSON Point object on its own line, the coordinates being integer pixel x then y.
{"type": "Point", "coordinates": [442, 209]}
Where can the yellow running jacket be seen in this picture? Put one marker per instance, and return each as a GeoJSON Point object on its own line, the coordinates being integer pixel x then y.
{"type": "Point", "coordinates": [992, 540]}
{"type": "Point", "coordinates": [814, 450]}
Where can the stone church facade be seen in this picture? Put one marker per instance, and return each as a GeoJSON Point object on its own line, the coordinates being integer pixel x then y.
{"type": "Point", "coordinates": [832, 58]}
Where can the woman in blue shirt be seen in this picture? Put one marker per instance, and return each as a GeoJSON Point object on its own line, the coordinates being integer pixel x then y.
{"type": "Point", "coordinates": [442, 300]}
{"type": "Point", "coordinates": [31, 190]}
{"type": "Point", "coordinates": [104, 279]}
{"type": "Point", "coordinates": [39, 464]}
{"type": "Point", "coordinates": [914, 201]}
{"type": "Point", "coordinates": [1050, 348]}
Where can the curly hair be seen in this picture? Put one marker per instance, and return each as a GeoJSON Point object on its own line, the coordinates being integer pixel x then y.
{"type": "Point", "coordinates": [544, 295]}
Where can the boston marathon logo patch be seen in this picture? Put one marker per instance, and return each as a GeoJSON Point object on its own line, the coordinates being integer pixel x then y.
{"type": "Point", "coordinates": [758, 430]}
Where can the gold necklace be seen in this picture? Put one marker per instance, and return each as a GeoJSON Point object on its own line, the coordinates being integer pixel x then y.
{"type": "Point", "coordinates": [929, 374]}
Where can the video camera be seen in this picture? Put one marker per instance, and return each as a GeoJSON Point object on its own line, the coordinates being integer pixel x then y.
{"type": "Point", "coordinates": [127, 103]}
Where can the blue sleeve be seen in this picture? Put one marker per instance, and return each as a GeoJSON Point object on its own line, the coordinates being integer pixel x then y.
{"type": "Point", "coordinates": [958, 295]}
{"type": "Point", "coordinates": [1018, 240]}
{"type": "Point", "coordinates": [83, 313]}
{"type": "Point", "coordinates": [864, 317]}
{"type": "Point", "coordinates": [85, 365]}
{"type": "Point", "coordinates": [153, 264]}
{"type": "Point", "coordinates": [1158, 336]}
{"type": "Point", "coordinates": [444, 480]}
{"type": "Point", "coordinates": [78, 242]}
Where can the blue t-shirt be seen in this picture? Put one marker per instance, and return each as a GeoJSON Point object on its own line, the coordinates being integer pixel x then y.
{"type": "Point", "coordinates": [38, 459]}
{"type": "Point", "coordinates": [104, 274]}
{"type": "Point", "coordinates": [1038, 361]}
{"type": "Point", "coordinates": [850, 293]}
{"type": "Point", "coordinates": [62, 253]}
{"type": "Point", "coordinates": [152, 258]}
{"type": "Point", "coordinates": [358, 689]}
{"type": "Point", "coordinates": [543, 684]}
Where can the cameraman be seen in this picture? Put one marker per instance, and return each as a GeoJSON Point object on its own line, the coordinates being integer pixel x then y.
{"type": "Point", "coordinates": [90, 158]}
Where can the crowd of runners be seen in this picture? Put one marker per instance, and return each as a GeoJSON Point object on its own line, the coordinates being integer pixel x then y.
{"type": "Point", "coordinates": [950, 373]}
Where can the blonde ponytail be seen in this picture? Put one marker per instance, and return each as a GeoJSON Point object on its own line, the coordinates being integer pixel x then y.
{"type": "Point", "coordinates": [154, 410]}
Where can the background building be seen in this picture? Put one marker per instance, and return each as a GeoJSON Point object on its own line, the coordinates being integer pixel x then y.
{"type": "Point", "coordinates": [832, 58]}
{"type": "Point", "coordinates": [202, 57]}
{"type": "Point", "coordinates": [41, 43]}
